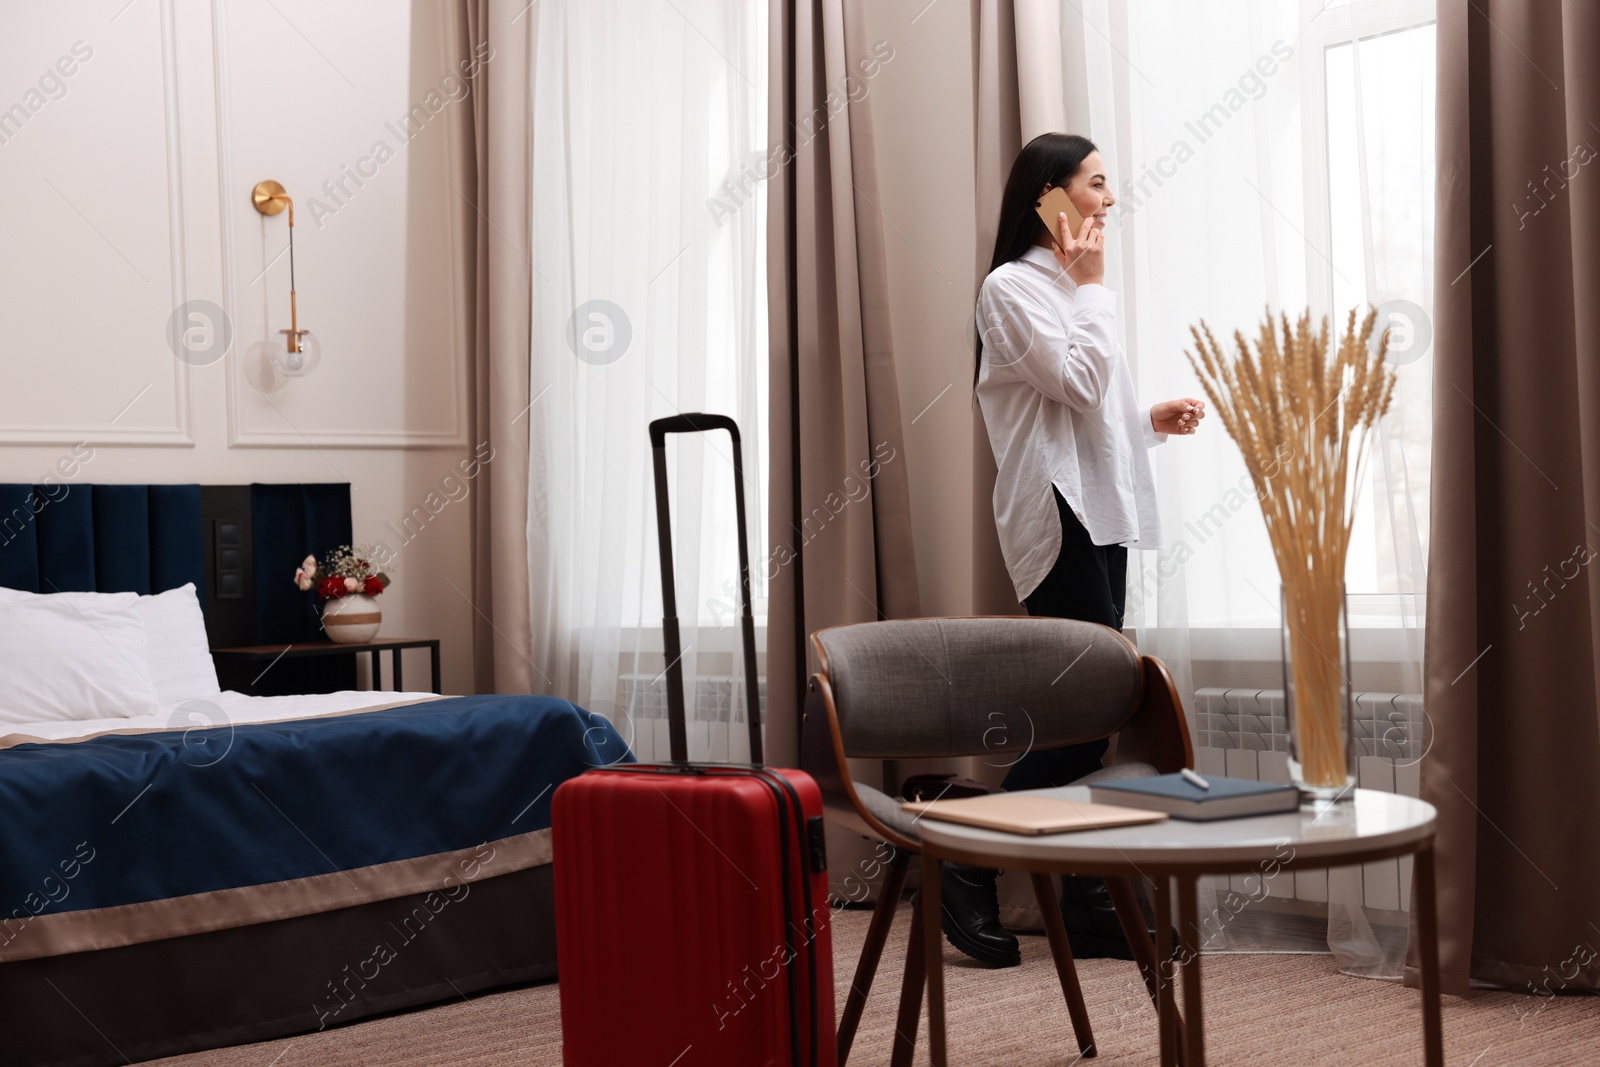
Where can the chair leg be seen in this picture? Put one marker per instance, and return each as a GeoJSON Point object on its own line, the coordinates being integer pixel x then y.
{"type": "Point", "coordinates": [916, 976]}
{"type": "Point", "coordinates": [877, 934]}
{"type": "Point", "coordinates": [1144, 953]}
{"type": "Point", "coordinates": [1061, 949]}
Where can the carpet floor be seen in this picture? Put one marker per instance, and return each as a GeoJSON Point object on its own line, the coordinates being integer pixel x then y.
{"type": "Point", "coordinates": [1261, 1011]}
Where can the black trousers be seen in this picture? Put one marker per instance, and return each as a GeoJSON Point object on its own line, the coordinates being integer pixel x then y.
{"type": "Point", "coordinates": [1089, 582]}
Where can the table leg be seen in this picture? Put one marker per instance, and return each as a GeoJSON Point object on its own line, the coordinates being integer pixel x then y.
{"type": "Point", "coordinates": [1194, 1045]}
{"type": "Point", "coordinates": [1144, 952]}
{"type": "Point", "coordinates": [1061, 949]}
{"type": "Point", "coordinates": [1428, 931]}
{"type": "Point", "coordinates": [377, 671]}
{"type": "Point", "coordinates": [1166, 1009]}
{"type": "Point", "coordinates": [394, 670]}
{"type": "Point", "coordinates": [433, 651]}
{"type": "Point", "coordinates": [929, 892]}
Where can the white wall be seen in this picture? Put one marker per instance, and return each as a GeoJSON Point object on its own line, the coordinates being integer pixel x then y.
{"type": "Point", "coordinates": [124, 192]}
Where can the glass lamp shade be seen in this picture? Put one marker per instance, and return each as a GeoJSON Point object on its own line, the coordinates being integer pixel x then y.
{"type": "Point", "coordinates": [297, 364]}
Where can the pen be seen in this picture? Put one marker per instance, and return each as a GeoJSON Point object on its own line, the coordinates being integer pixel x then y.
{"type": "Point", "coordinates": [1193, 777]}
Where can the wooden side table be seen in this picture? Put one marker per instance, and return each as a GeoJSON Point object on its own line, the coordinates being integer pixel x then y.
{"type": "Point", "coordinates": [267, 655]}
{"type": "Point", "coordinates": [1373, 826]}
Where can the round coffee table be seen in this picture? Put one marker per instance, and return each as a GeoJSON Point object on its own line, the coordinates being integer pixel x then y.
{"type": "Point", "coordinates": [1373, 826]}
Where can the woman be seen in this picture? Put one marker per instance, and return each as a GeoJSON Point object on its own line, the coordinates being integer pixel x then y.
{"type": "Point", "coordinates": [1074, 489]}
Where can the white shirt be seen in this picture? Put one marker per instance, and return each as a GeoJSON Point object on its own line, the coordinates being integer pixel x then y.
{"type": "Point", "coordinates": [1058, 401]}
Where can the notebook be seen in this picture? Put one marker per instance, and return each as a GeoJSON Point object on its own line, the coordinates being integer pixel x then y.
{"type": "Point", "coordinates": [1228, 798]}
{"type": "Point", "coordinates": [1024, 813]}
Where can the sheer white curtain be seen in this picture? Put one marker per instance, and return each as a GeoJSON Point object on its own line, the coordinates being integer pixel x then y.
{"type": "Point", "coordinates": [1272, 155]}
{"type": "Point", "coordinates": [648, 208]}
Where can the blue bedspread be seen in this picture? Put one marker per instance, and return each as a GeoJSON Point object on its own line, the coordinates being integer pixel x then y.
{"type": "Point", "coordinates": [120, 820]}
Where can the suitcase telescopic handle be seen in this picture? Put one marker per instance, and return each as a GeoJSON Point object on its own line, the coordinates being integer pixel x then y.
{"type": "Point", "coordinates": [691, 422]}
{"type": "Point", "coordinates": [677, 717]}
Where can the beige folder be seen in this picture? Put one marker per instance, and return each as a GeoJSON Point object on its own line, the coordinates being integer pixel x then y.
{"type": "Point", "coordinates": [1020, 813]}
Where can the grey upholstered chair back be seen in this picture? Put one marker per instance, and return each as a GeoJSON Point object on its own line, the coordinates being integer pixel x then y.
{"type": "Point", "coordinates": [913, 688]}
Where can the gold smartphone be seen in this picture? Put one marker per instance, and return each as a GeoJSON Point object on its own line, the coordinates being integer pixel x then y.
{"type": "Point", "coordinates": [1050, 207]}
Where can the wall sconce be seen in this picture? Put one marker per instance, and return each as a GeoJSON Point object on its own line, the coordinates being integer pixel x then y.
{"type": "Point", "coordinates": [301, 351]}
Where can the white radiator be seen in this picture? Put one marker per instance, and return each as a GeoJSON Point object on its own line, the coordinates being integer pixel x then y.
{"type": "Point", "coordinates": [716, 713]}
{"type": "Point", "coordinates": [1242, 733]}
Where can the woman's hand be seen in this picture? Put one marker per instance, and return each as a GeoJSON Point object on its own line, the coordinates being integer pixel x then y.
{"type": "Point", "coordinates": [1085, 257]}
{"type": "Point", "coordinates": [1177, 416]}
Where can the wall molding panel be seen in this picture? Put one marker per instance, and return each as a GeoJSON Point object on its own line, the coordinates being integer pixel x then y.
{"type": "Point", "coordinates": [179, 433]}
{"type": "Point", "coordinates": [431, 372]}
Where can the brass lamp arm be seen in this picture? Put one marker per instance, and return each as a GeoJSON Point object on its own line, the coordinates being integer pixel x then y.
{"type": "Point", "coordinates": [269, 198]}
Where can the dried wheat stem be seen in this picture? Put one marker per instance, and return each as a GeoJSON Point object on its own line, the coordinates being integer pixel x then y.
{"type": "Point", "coordinates": [1300, 411]}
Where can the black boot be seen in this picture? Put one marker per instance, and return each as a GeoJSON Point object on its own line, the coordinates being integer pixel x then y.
{"type": "Point", "coordinates": [1092, 926]}
{"type": "Point", "coordinates": [971, 916]}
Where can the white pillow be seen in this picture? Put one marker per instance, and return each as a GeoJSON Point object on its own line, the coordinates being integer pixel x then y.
{"type": "Point", "coordinates": [73, 656]}
{"type": "Point", "coordinates": [176, 645]}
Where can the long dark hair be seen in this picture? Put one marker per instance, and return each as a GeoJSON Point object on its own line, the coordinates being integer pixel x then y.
{"type": "Point", "coordinates": [1048, 159]}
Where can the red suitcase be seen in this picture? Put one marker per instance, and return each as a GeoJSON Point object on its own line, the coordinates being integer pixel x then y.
{"type": "Point", "coordinates": [692, 917]}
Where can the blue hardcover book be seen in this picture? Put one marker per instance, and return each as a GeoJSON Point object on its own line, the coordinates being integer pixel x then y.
{"type": "Point", "coordinates": [1228, 798]}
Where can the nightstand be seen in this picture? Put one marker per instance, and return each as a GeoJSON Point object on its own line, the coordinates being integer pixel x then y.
{"type": "Point", "coordinates": [265, 656]}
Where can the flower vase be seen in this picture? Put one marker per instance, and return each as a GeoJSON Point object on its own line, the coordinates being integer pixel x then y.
{"type": "Point", "coordinates": [1316, 688]}
{"type": "Point", "coordinates": [352, 619]}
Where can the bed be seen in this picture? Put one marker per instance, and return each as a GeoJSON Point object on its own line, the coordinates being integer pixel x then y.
{"type": "Point", "coordinates": [212, 868]}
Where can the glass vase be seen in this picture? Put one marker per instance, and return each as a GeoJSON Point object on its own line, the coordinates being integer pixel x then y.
{"type": "Point", "coordinates": [1316, 689]}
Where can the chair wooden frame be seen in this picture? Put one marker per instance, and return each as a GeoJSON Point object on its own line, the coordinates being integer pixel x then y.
{"type": "Point", "coordinates": [1156, 733]}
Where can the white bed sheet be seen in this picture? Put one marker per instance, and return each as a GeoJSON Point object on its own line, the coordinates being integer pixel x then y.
{"type": "Point", "coordinates": [221, 709]}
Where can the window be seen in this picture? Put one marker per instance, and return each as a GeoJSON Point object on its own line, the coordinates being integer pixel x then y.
{"type": "Point", "coordinates": [1377, 170]}
{"type": "Point", "coordinates": [1270, 155]}
{"type": "Point", "coordinates": [648, 220]}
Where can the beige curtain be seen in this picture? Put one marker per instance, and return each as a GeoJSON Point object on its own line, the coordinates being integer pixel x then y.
{"type": "Point", "coordinates": [1020, 91]}
{"type": "Point", "coordinates": [835, 406]}
{"type": "Point", "coordinates": [1513, 607]}
{"type": "Point", "coordinates": [997, 128]}
{"type": "Point", "coordinates": [495, 200]}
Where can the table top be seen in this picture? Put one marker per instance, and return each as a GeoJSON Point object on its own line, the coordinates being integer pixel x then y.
{"type": "Point", "coordinates": [314, 648]}
{"type": "Point", "coordinates": [1373, 822]}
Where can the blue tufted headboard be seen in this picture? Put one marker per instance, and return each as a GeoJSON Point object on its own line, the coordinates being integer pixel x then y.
{"type": "Point", "coordinates": [238, 544]}
{"type": "Point", "coordinates": [107, 538]}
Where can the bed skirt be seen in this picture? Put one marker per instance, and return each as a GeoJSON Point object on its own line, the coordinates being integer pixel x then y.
{"type": "Point", "coordinates": [273, 979]}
